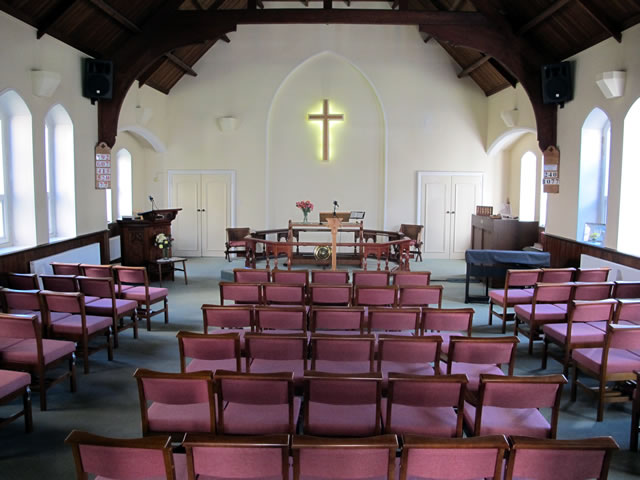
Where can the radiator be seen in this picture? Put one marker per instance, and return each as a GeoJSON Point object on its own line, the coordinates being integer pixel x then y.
{"type": "Point", "coordinates": [618, 272]}
{"type": "Point", "coordinates": [114, 248]}
{"type": "Point", "coordinates": [86, 254]}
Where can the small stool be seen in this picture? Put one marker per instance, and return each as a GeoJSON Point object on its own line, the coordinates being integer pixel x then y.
{"type": "Point", "coordinates": [172, 262]}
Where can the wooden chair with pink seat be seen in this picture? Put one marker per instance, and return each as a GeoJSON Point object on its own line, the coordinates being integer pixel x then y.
{"type": "Point", "coordinates": [202, 352]}
{"type": "Point", "coordinates": [142, 292]}
{"type": "Point", "coordinates": [518, 289]}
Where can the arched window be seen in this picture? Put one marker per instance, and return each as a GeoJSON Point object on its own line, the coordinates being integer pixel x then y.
{"type": "Point", "coordinates": [628, 225]}
{"type": "Point", "coordinates": [528, 186]}
{"type": "Point", "coordinates": [594, 177]}
{"type": "Point", "coordinates": [125, 184]}
{"type": "Point", "coordinates": [59, 159]}
{"type": "Point", "coordinates": [16, 189]}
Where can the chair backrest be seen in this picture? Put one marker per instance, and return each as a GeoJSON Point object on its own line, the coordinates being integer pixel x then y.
{"type": "Point", "coordinates": [370, 279]}
{"type": "Point", "coordinates": [535, 391]}
{"type": "Point", "coordinates": [483, 350]}
{"type": "Point", "coordinates": [447, 320]}
{"type": "Point", "coordinates": [547, 459]}
{"type": "Point", "coordinates": [389, 319]}
{"type": "Point", "coordinates": [344, 458]}
{"type": "Point", "coordinates": [59, 283]}
{"type": "Point", "coordinates": [329, 277]}
{"type": "Point", "coordinates": [414, 232]}
{"type": "Point", "coordinates": [23, 281]}
{"type": "Point", "coordinates": [336, 318]}
{"type": "Point", "coordinates": [66, 302]}
{"type": "Point", "coordinates": [521, 278]}
{"type": "Point", "coordinates": [280, 318]}
{"type": "Point", "coordinates": [21, 299]}
{"type": "Point", "coordinates": [131, 275]}
{"type": "Point", "coordinates": [330, 294]}
{"type": "Point", "coordinates": [96, 270]}
{"type": "Point", "coordinates": [229, 316]}
{"type": "Point", "coordinates": [60, 268]}
{"type": "Point", "coordinates": [627, 311]}
{"type": "Point", "coordinates": [411, 278]}
{"type": "Point", "coordinates": [591, 311]}
{"type": "Point", "coordinates": [625, 337]}
{"type": "Point", "coordinates": [420, 296]}
{"type": "Point", "coordinates": [132, 458]}
{"type": "Point", "coordinates": [238, 457]}
{"type": "Point", "coordinates": [241, 293]}
{"type": "Point", "coordinates": [178, 392]}
{"type": "Point", "coordinates": [342, 348]}
{"type": "Point", "coordinates": [97, 286]}
{"type": "Point", "coordinates": [557, 275]}
{"type": "Point", "coordinates": [626, 289]}
{"type": "Point", "coordinates": [202, 346]}
{"type": "Point", "coordinates": [552, 292]}
{"type": "Point", "coordinates": [376, 296]}
{"type": "Point", "coordinates": [276, 346]}
{"type": "Point", "coordinates": [453, 458]}
{"type": "Point", "coordinates": [235, 234]}
{"type": "Point", "coordinates": [251, 275]}
{"type": "Point", "coordinates": [592, 290]}
{"type": "Point", "coordinates": [405, 349]}
{"type": "Point", "coordinates": [290, 276]}
{"type": "Point", "coordinates": [254, 389]}
{"type": "Point", "coordinates": [19, 326]}
{"type": "Point", "coordinates": [592, 274]}
{"type": "Point", "coordinates": [284, 293]}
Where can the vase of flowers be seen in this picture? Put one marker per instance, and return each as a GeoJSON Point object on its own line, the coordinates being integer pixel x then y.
{"type": "Point", "coordinates": [306, 206]}
{"type": "Point", "coordinates": [164, 242]}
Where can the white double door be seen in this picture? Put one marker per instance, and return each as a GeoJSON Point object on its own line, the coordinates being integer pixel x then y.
{"type": "Point", "coordinates": [207, 201]}
{"type": "Point", "coordinates": [446, 203]}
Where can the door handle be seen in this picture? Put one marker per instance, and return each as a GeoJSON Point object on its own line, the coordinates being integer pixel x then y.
{"type": "Point", "coordinates": [203, 210]}
{"type": "Point", "coordinates": [447, 211]}
{"type": "Point", "coordinates": [453, 213]}
{"type": "Point", "coordinates": [197, 210]}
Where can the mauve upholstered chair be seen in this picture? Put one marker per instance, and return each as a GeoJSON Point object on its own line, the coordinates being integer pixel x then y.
{"type": "Point", "coordinates": [103, 271]}
{"type": "Point", "coordinates": [240, 293]}
{"type": "Point", "coordinates": [141, 292]}
{"type": "Point", "coordinates": [400, 321]}
{"type": "Point", "coordinates": [414, 279]}
{"type": "Point", "coordinates": [15, 385]}
{"type": "Point", "coordinates": [277, 352]}
{"type": "Point", "coordinates": [251, 275]}
{"type": "Point", "coordinates": [370, 279]}
{"type": "Point", "coordinates": [422, 296]}
{"type": "Point", "coordinates": [599, 274]}
{"type": "Point", "coordinates": [229, 318]}
{"type": "Point", "coordinates": [284, 294]}
{"type": "Point", "coordinates": [556, 275]}
{"type": "Point", "coordinates": [626, 289]}
{"type": "Point", "coordinates": [447, 323]}
{"type": "Point", "coordinates": [61, 268]}
{"type": "Point", "coordinates": [330, 277]}
{"type": "Point", "coordinates": [369, 296]}
{"type": "Point", "coordinates": [412, 355]}
{"type": "Point", "coordinates": [337, 320]}
{"type": "Point", "coordinates": [23, 281]}
{"type": "Point", "coordinates": [517, 290]}
{"type": "Point", "coordinates": [342, 353]}
{"type": "Point", "coordinates": [281, 319]}
{"type": "Point", "coordinates": [339, 294]}
{"type": "Point", "coordinates": [200, 351]}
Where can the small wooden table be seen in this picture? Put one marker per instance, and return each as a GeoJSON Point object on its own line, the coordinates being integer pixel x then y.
{"type": "Point", "coordinates": [172, 262]}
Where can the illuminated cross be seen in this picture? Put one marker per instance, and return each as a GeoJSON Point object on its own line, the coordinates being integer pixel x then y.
{"type": "Point", "coordinates": [326, 117]}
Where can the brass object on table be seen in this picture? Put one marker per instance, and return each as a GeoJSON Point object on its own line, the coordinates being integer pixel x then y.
{"type": "Point", "coordinates": [322, 252]}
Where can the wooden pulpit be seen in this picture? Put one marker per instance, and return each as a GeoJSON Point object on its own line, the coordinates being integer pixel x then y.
{"type": "Point", "coordinates": [137, 237]}
{"type": "Point", "coordinates": [334, 224]}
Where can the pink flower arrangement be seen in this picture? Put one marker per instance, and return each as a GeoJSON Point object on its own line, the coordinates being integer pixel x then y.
{"type": "Point", "coordinates": [305, 205]}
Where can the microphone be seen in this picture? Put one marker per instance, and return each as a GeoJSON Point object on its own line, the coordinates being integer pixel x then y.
{"type": "Point", "coordinates": [153, 203]}
{"type": "Point", "coordinates": [335, 205]}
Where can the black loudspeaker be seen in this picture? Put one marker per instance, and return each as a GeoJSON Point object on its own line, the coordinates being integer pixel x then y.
{"type": "Point", "coordinates": [557, 83]}
{"type": "Point", "coordinates": [97, 82]}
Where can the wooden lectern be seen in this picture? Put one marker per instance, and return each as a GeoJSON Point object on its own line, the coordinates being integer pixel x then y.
{"type": "Point", "coordinates": [137, 236]}
{"type": "Point", "coordinates": [334, 225]}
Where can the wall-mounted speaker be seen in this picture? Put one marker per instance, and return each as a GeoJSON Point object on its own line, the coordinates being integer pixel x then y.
{"type": "Point", "coordinates": [97, 83]}
{"type": "Point", "coordinates": [557, 83]}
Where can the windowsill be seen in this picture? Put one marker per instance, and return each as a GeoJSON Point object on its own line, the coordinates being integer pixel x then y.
{"type": "Point", "coordinates": [13, 249]}
{"type": "Point", "coordinates": [58, 239]}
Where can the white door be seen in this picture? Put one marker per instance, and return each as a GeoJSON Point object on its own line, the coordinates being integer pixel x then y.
{"type": "Point", "coordinates": [206, 201]}
{"type": "Point", "coordinates": [447, 203]}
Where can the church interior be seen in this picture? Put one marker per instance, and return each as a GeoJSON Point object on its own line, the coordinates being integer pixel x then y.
{"type": "Point", "coordinates": [457, 116]}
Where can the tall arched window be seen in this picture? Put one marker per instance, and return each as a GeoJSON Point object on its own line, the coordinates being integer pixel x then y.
{"type": "Point", "coordinates": [16, 192]}
{"type": "Point", "coordinates": [59, 157]}
{"type": "Point", "coordinates": [594, 177]}
{"type": "Point", "coordinates": [125, 183]}
{"type": "Point", "coordinates": [528, 186]}
{"type": "Point", "coordinates": [628, 225]}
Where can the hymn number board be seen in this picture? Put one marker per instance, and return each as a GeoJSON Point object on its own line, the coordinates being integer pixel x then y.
{"type": "Point", "coordinates": [103, 166]}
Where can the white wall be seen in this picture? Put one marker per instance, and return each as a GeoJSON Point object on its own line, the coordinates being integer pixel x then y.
{"type": "Point", "coordinates": [21, 53]}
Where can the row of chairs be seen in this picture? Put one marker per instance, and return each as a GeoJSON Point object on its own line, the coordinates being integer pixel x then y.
{"type": "Point", "coordinates": [345, 404]}
{"type": "Point", "coordinates": [330, 295]}
{"type": "Point", "coordinates": [245, 458]}
{"type": "Point", "coordinates": [332, 277]}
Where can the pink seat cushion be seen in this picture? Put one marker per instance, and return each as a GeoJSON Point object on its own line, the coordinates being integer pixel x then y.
{"type": "Point", "coordinates": [508, 421]}
{"type": "Point", "coordinates": [197, 365]}
{"type": "Point", "coordinates": [602, 325]}
{"type": "Point", "coordinates": [618, 361]}
{"type": "Point", "coordinates": [138, 294]}
{"type": "Point", "coordinates": [54, 315]}
{"type": "Point", "coordinates": [25, 351]}
{"type": "Point", "coordinates": [261, 365]}
{"type": "Point", "coordinates": [103, 306]}
{"type": "Point", "coordinates": [472, 370]}
{"type": "Point", "coordinates": [544, 312]}
{"type": "Point", "coordinates": [342, 367]}
{"type": "Point", "coordinates": [515, 296]}
{"type": "Point", "coordinates": [7, 342]}
{"type": "Point", "coordinates": [222, 331]}
{"type": "Point", "coordinates": [192, 417]}
{"type": "Point", "coordinates": [73, 324]}
{"type": "Point", "coordinates": [237, 243]}
{"type": "Point", "coordinates": [430, 421]}
{"type": "Point", "coordinates": [580, 332]}
{"type": "Point", "coordinates": [243, 419]}
{"type": "Point", "coordinates": [11, 381]}
{"type": "Point", "coordinates": [124, 288]}
{"type": "Point", "coordinates": [410, 368]}
{"type": "Point", "coordinates": [337, 420]}
{"type": "Point", "coordinates": [88, 299]}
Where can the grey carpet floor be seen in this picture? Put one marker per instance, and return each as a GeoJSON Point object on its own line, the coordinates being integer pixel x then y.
{"type": "Point", "coordinates": [107, 399]}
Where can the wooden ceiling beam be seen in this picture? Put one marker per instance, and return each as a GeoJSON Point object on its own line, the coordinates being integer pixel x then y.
{"type": "Point", "coordinates": [56, 14]}
{"type": "Point", "coordinates": [217, 4]}
{"type": "Point", "coordinates": [144, 77]}
{"type": "Point", "coordinates": [225, 38]}
{"type": "Point", "coordinates": [474, 66]}
{"type": "Point", "coordinates": [115, 15]}
{"type": "Point", "coordinates": [197, 4]}
{"type": "Point", "coordinates": [181, 64]}
{"type": "Point", "coordinates": [600, 18]}
{"type": "Point", "coordinates": [542, 16]}
{"type": "Point", "coordinates": [454, 6]}
{"type": "Point", "coordinates": [508, 76]}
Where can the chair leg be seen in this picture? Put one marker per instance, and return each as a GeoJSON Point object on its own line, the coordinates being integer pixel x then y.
{"type": "Point", "coordinates": [633, 441]}
{"type": "Point", "coordinates": [134, 320]}
{"type": "Point", "coordinates": [72, 373]}
{"type": "Point", "coordinates": [574, 383]}
{"type": "Point", "coordinates": [85, 355]}
{"type": "Point", "coordinates": [26, 405]}
{"type": "Point", "coordinates": [166, 310]}
{"type": "Point", "coordinates": [601, 391]}
{"type": "Point", "coordinates": [42, 385]}
{"type": "Point", "coordinates": [504, 320]}
{"type": "Point", "coordinates": [109, 346]}
{"type": "Point", "coordinates": [545, 349]}
{"type": "Point", "coordinates": [490, 312]}
{"type": "Point", "coordinates": [565, 360]}
{"type": "Point", "coordinates": [115, 332]}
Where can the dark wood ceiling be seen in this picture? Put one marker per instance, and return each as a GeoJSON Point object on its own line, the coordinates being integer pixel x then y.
{"type": "Point", "coordinates": [555, 29]}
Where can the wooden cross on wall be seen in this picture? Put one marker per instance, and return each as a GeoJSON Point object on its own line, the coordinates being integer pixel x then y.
{"type": "Point", "coordinates": [326, 117]}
